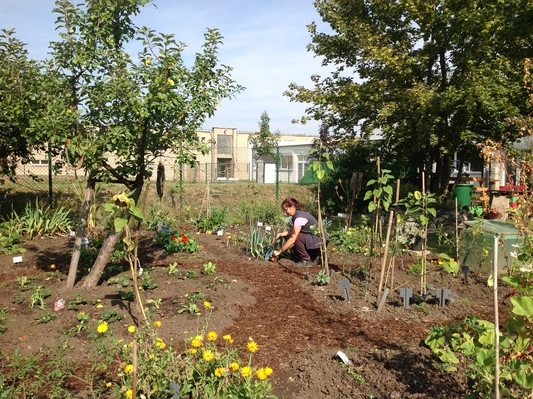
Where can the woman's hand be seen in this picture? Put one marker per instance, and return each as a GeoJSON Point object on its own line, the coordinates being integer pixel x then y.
{"type": "Point", "coordinates": [276, 253]}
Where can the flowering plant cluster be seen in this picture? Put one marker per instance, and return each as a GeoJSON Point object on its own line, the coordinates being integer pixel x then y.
{"type": "Point", "coordinates": [352, 239]}
{"type": "Point", "coordinates": [217, 371]}
{"type": "Point", "coordinates": [174, 242]}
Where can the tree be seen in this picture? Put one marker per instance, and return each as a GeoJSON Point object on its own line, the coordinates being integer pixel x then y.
{"type": "Point", "coordinates": [432, 77]}
{"type": "Point", "coordinates": [130, 112]}
{"type": "Point", "coordinates": [33, 116]}
{"type": "Point", "coordinates": [264, 142]}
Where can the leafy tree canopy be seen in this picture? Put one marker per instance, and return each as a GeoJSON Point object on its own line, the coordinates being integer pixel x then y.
{"type": "Point", "coordinates": [431, 77]}
{"type": "Point", "coordinates": [264, 142]}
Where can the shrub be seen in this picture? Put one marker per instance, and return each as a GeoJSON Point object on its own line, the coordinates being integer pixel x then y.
{"type": "Point", "coordinates": [174, 242]}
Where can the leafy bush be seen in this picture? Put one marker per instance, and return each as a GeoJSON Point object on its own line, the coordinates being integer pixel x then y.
{"type": "Point", "coordinates": [216, 221]}
{"type": "Point", "coordinates": [174, 242]}
{"type": "Point", "coordinates": [353, 239]}
{"type": "Point", "coordinates": [38, 221]}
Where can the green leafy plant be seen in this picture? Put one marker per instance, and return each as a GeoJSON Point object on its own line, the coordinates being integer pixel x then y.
{"type": "Point", "coordinates": [10, 242]}
{"type": "Point", "coordinates": [48, 317]}
{"type": "Point", "coordinates": [173, 268]}
{"type": "Point", "coordinates": [42, 221]}
{"type": "Point", "coordinates": [209, 268]}
{"type": "Point", "coordinates": [352, 239]}
{"type": "Point", "coordinates": [215, 221]}
{"type": "Point", "coordinates": [111, 316]}
{"type": "Point", "coordinates": [147, 283]}
{"type": "Point", "coordinates": [322, 278]}
{"type": "Point", "coordinates": [258, 242]}
{"type": "Point", "coordinates": [191, 274]}
{"type": "Point", "coordinates": [3, 320]}
{"type": "Point", "coordinates": [472, 341]}
{"type": "Point", "coordinates": [174, 242]}
{"type": "Point", "coordinates": [83, 321]}
{"type": "Point", "coordinates": [119, 281]}
{"type": "Point", "coordinates": [37, 297]}
{"type": "Point", "coordinates": [73, 304]}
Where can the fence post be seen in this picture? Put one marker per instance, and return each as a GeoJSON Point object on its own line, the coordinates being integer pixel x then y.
{"type": "Point", "coordinates": [277, 174]}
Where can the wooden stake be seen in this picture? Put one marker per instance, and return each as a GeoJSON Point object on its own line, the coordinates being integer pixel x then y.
{"type": "Point", "coordinates": [496, 319]}
{"type": "Point", "coordinates": [384, 260]}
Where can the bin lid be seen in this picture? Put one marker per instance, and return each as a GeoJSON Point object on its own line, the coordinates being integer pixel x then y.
{"type": "Point", "coordinates": [494, 226]}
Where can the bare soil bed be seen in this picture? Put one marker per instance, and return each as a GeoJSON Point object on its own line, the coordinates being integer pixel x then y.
{"type": "Point", "coordinates": [299, 325]}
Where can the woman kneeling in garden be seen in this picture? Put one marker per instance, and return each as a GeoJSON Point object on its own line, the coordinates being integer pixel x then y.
{"type": "Point", "coordinates": [301, 236]}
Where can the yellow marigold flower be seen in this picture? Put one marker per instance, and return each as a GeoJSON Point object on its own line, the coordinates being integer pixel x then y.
{"type": "Point", "coordinates": [192, 351]}
{"type": "Point", "coordinates": [121, 200]}
{"type": "Point", "coordinates": [131, 329]}
{"type": "Point", "coordinates": [234, 366]}
{"type": "Point", "coordinates": [102, 327]}
{"type": "Point", "coordinates": [108, 385]}
{"type": "Point", "coordinates": [151, 356]}
{"type": "Point", "coordinates": [268, 371]}
{"type": "Point", "coordinates": [129, 394]}
{"type": "Point", "coordinates": [212, 336]}
{"type": "Point", "coordinates": [207, 305]}
{"type": "Point", "coordinates": [199, 337]}
{"type": "Point", "coordinates": [219, 372]}
{"type": "Point", "coordinates": [207, 355]}
{"type": "Point", "coordinates": [157, 323]}
{"type": "Point", "coordinates": [333, 249]}
{"type": "Point", "coordinates": [196, 343]}
{"type": "Point", "coordinates": [227, 337]}
{"type": "Point", "coordinates": [246, 371]}
{"type": "Point", "coordinates": [348, 233]}
{"type": "Point", "coordinates": [160, 345]}
{"type": "Point", "coordinates": [261, 374]}
{"type": "Point", "coordinates": [99, 306]}
{"type": "Point", "coordinates": [252, 346]}
{"type": "Point", "coordinates": [128, 369]}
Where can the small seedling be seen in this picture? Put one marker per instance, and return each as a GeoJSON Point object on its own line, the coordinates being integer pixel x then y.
{"type": "Point", "coordinates": [322, 278]}
{"type": "Point", "coordinates": [82, 321]}
{"type": "Point", "coordinates": [358, 377]}
{"type": "Point", "coordinates": [173, 268]}
{"type": "Point", "coordinates": [192, 308]}
{"type": "Point", "coordinates": [3, 321]}
{"type": "Point", "coordinates": [23, 282]}
{"type": "Point", "coordinates": [38, 296]}
{"type": "Point", "coordinates": [154, 302]}
{"type": "Point", "coordinates": [46, 318]}
{"type": "Point", "coordinates": [78, 300]}
{"type": "Point", "coordinates": [119, 281]}
{"type": "Point", "coordinates": [209, 268]}
{"type": "Point", "coordinates": [126, 295]}
{"type": "Point", "coordinates": [111, 316]}
{"type": "Point", "coordinates": [147, 282]}
{"type": "Point", "coordinates": [191, 274]}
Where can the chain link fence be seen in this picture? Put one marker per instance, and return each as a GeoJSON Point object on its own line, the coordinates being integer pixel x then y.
{"type": "Point", "coordinates": [234, 182]}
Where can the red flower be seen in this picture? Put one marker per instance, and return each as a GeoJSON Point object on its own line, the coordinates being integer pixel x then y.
{"type": "Point", "coordinates": [174, 238]}
{"type": "Point", "coordinates": [184, 239]}
{"type": "Point", "coordinates": [203, 246]}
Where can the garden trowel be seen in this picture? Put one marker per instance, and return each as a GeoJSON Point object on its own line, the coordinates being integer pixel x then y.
{"type": "Point", "coordinates": [269, 255]}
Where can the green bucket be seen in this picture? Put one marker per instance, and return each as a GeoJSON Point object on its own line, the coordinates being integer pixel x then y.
{"type": "Point", "coordinates": [463, 194]}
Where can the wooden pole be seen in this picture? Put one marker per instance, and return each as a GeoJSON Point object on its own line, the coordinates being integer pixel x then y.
{"type": "Point", "coordinates": [394, 256]}
{"type": "Point", "coordinates": [384, 260]}
{"type": "Point", "coordinates": [496, 319]}
{"type": "Point", "coordinates": [424, 265]}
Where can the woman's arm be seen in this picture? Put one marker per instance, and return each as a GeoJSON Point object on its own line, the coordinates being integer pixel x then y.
{"type": "Point", "coordinates": [292, 233]}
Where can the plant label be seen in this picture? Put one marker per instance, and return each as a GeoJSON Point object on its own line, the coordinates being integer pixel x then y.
{"type": "Point", "coordinates": [345, 287]}
{"type": "Point", "coordinates": [343, 357]}
{"type": "Point", "coordinates": [72, 233]}
{"type": "Point", "coordinates": [17, 259]}
{"type": "Point", "coordinates": [220, 233]}
{"type": "Point", "coordinates": [268, 228]}
{"type": "Point", "coordinates": [406, 294]}
{"type": "Point", "coordinates": [443, 294]}
{"type": "Point", "coordinates": [259, 224]}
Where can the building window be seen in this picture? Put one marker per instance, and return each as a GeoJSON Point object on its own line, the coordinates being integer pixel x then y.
{"type": "Point", "coordinates": [224, 168]}
{"type": "Point", "coordinates": [39, 162]}
{"type": "Point", "coordinates": [224, 144]}
{"type": "Point", "coordinates": [285, 162]}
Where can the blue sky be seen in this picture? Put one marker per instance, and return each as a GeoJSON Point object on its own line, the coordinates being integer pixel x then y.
{"type": "Point", "coordinates": [264, 41]}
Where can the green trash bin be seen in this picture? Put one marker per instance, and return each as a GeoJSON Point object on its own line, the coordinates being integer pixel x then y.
{"type": "Point", "coordinates": [463, 193]}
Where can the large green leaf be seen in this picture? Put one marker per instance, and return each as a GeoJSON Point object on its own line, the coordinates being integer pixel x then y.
{"type": "Point", "coordinates": [522, 306]}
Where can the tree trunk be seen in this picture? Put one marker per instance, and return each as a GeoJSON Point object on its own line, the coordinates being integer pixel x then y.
{"type": "Point", "coordinates": [80, 233]}
{"type": "Point", "coordinates": [91, 281]}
